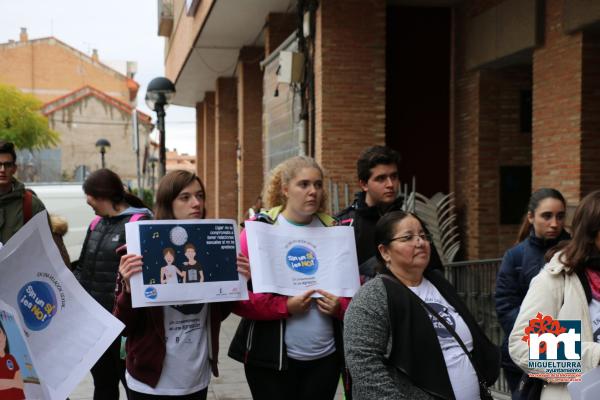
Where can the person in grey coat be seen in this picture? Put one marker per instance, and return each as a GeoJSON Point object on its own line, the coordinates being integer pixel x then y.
{"type": "Point", "coordinates": [395, 347]}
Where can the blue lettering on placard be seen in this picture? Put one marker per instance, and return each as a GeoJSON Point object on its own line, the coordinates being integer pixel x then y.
{"type": "Point", "coordinates": [37, 304]}
{"type": "Point", "coordinates": [302, 259]}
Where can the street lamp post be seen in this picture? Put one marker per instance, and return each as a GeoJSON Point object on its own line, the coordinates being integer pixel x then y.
{"type": "Point", "coordinates": [152, 160]}
{"type": "Point", "coordinates": [102, 145]}
{"type": "Point", "coordinates": [158, 95]}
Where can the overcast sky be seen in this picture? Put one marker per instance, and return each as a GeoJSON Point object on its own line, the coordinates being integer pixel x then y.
{"type": "Point", "coordinates": [123, 30]}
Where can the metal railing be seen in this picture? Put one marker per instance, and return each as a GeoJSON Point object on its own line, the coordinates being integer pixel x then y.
{"type": "Point", "coordinates": [475, 282]}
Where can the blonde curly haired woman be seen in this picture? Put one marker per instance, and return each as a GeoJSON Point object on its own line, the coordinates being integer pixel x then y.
{"type": "Point", "coordinates": [291, 347]}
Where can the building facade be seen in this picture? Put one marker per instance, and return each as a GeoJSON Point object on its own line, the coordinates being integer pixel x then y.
{"type": "Point", "coordinates": [84, 100]}
{"type": "Point", "coordinates": [489, 99]}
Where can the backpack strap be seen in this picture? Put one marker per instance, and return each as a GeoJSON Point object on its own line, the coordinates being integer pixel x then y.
{"type": "Point", "coordinates": [95, 222]}
{"type": "Point", "coordinates": [136, 217]}
{"type": "Point", "coordinates": [97, 218]}
{"type": "Point", "coordinates": [27, 205]}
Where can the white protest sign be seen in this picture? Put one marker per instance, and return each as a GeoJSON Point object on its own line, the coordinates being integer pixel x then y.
{"type": "Point", "coordinates": [185, 261]}
{"type": "Point", "coordinates": [290, 260]}
{"type": "Point", "coordinates": [65, 329]}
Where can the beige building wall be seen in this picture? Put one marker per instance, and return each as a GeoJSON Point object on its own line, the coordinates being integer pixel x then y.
{"type": "Point", "coordinates": [81, 124]}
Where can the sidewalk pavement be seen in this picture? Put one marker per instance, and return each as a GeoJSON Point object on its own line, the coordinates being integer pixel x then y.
{"type": "Point", "coordinates": [230, 385]}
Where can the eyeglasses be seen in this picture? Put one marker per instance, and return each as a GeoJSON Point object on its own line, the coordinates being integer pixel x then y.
{"type": "Point", "coordinates": [412, 238]}
{"type": "Point", "coordinates": [7, 164]}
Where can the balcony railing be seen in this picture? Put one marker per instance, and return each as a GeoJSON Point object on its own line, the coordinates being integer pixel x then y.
{"type": "Point", "coordinates": [475, 282]}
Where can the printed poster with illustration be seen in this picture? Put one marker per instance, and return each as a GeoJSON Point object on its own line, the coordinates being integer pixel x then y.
{"type": "Point", "coordinates": [65, 330]}
{"type": "Point", "coordinates": [290, 260]}
{"type": "Point", "coordinates": [17, 365]}
{"type": "Point", "coordinates": [185, 261]}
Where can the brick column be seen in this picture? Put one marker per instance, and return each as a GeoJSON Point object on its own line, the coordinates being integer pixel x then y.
{"type": "Point", "coordinates": [209, 153]}
{"type": "Point", "coordinates": [279, 27]}
{"type": "Point", "coordinates": [590, 118]}
{"type": "Point", "coordinates": [350, 84]}
{"type": "Point", "coordinates": [200, 140]}
{"type": "Point", "coordinates": [225, 187]}
{"type": "Point", "coordinates": [557, 105]}
{"type": "Point", "coordinates": [249, 97]}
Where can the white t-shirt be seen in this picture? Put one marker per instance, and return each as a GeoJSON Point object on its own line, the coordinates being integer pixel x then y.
{"type": "Point", "coordinates": [186, 368]}
{"type": "Point", "coordinates": [170, 273]}
{"type": "Point", "coordinates": [462, 374]}
{"type": "Point", "coordinates": [308, 336]}
{"type": "Point", "coordinates": [595, 315]}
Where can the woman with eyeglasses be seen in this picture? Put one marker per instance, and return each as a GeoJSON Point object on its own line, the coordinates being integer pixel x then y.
{"type": "Point", "coordinates": [542, 229]}
{"type": "Point", "coordinates": [291, 347]}
{"type": "Point", "coordinates": [407, 334]}
{"type": "Point", "coordinates": [165, 358]}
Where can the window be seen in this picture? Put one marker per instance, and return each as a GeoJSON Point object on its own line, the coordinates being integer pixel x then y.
{"type": "Point", "coordinates": [526, 111]}
{"type": "Point", "coordinates": [515, 189]}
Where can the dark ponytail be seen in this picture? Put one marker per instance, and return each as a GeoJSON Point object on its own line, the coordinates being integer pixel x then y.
{"type": "Point", "coordinates": [105, 184]}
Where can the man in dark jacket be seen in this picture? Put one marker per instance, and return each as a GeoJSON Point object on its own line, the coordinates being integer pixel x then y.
{"type": "Point", "coordinates": [17, 204]}
{"type": "Point", "coordinates": [377, 169]}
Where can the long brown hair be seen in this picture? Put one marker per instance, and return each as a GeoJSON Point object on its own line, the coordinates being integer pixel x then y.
{"type": "Point", "coordinates": [169, 188]}
{"type": "Point", "coordinates": [534, 201]}
{"type": "Point", "coordinates": [585, 226]}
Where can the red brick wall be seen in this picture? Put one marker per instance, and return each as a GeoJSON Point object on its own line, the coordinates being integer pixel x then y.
{"type": "Point", "coordinates": [557, 103]}
{"type": "Point", "coordinates": [485, 135]}
{"type": "Point", "coordinates": [200, 141]}
{"type": "Point", "coordinates": [464, 142]}
{"type": "Point", "coordinates": [208, 154]}
{"type": "Point", "coordinates": [51, 69]}
{"type": "Point", "coordinates": [590, 118]}
{"type": "Point", "coordinates": [350, 85]}
{"type": "Point", "coordinates": [226, 132]}
{"type": "Point", "coordinates": [514, 145]}
{"type": "Point", "coordinates": [249, 96]}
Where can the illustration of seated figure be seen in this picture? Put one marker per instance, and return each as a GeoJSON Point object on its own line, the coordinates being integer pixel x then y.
{"type": "Point", "coordinates": [191, 267]}
{"type": "Point", "coordinates": [168, 273]}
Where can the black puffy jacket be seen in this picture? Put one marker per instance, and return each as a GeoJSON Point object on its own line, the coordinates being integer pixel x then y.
{"type": "Point", "coordinates": [364, 219]}
{"type": "Point", "coordinates": [98, 263]}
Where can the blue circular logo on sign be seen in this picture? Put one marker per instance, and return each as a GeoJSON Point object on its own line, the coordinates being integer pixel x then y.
{"type": "Point", "coordinates": [150, 293]}
{"type": "Point", "coordinates": [37, 303]}
{"type": "Point", "coordinates": [302, 259]}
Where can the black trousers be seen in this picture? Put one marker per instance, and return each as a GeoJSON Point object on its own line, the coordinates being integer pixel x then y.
{"type": "Point", "coordinates": [108, 371]}
{"type": "Point", "coordinates": [314, 380]}
{"type": "Point", "coordinates": [201, 395]}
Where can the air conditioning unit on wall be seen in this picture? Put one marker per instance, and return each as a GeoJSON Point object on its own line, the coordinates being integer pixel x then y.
{"type": "Point", "coordinates": [291, 67]}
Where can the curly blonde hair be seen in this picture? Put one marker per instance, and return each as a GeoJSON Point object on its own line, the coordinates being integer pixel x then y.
{"type": "Point", "coordinates": [282, 174]}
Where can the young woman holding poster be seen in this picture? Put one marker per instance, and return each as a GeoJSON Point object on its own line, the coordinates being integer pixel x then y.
{"type": "Point", "coordinates": [162, 358]}
{"type": "Point", "coordinates": [291, 347]}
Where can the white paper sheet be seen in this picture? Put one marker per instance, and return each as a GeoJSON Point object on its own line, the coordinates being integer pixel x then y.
{"type": "Point", "coordinates": [216, 245]}
{"type": "Point", "coordinates": [66, 330]}
{"type": "Point", "coordinates": [290, 260]}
